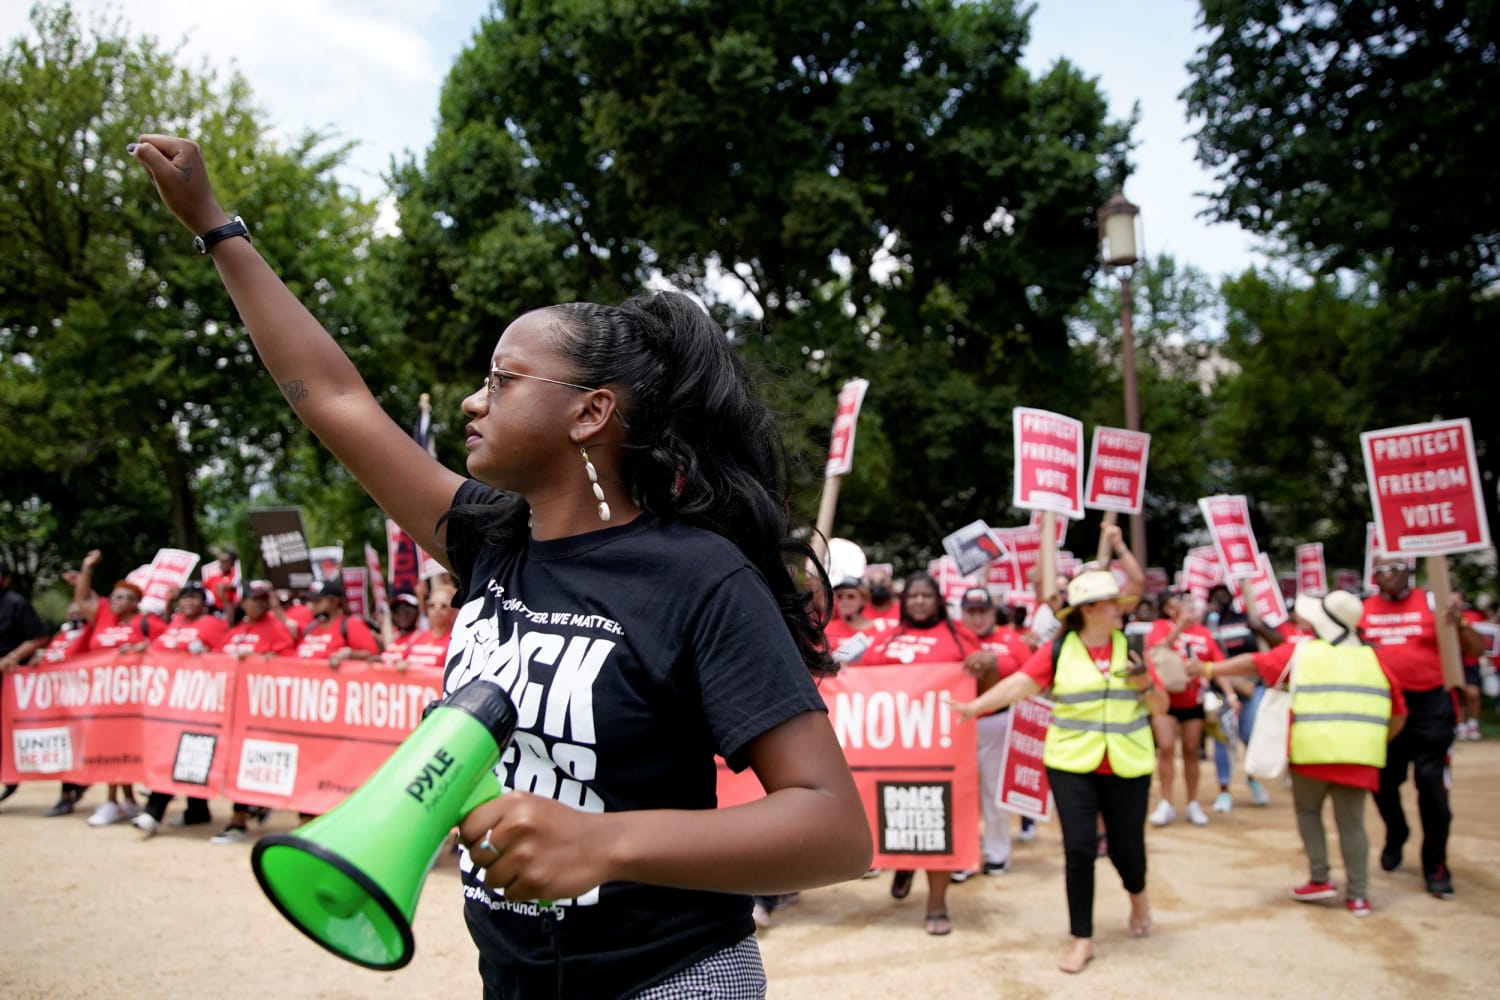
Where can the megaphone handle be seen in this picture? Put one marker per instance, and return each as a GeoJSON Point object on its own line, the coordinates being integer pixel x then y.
{"type": "Point", "coordinates": [488, 787]}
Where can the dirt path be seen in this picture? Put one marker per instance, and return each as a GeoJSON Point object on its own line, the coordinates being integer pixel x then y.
{"type": "Point", "coordinates": [98, 912]}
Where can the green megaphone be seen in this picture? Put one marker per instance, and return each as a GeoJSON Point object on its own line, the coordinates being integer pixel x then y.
{"type": "Point", "coordinates": [350, 879]}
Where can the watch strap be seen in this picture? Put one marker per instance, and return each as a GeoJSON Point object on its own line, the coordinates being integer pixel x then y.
{"type": "Point", "coordinates": [234, 227]}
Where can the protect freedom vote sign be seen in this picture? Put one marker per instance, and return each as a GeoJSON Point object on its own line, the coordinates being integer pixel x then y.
{"type": "Point", "coordinates": [1117, 470]}
{"type": "Point", "coordinates": [1049, 462]}
{"type": "Point", "coordinates": [841, 445]}
{"type": "Point", "coordinates": [1228, 520]}
{"type": "Point", "coordinates": [1424, 486]}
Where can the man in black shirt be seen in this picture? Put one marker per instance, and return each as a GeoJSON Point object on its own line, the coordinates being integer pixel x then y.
{"type": "Point", "coordinates": [21, 634]}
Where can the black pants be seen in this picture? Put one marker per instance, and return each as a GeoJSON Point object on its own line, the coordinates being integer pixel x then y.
{"type": "Point", "coordinates": [1081, 799]}
{"type": "Point", "coordinates": [197, 809]}
{"type": "Point", "coordinates": [1422, 746]}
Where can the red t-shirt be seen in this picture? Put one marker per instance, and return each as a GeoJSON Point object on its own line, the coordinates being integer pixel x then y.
{"type": "Point", "coordinates": [109, 631]}
{"type": "Point", "coordinates": [933, 644]}
{"type": "Point", "coordinates": [1195, 641]}
{"type": "Point", "coordinates": [267, 635]}
{"type": "Point", "coordinates": [1272, 663]}
{"type": "Point", "coordinates": [886, 620]}
{"type": "Point", "coordinates": [214, 579]}
{"type": "Point", "coordinates": [181, 633]}
{"type": "Point", "coordinates": [68, 642]}
{"type": "Point", "coordinates": [1471, 616]}
{"type": "Point", "coordinates": [300, 614]}
{"type": "Point", "coordinates": [1039, 668]}
{"type": "Point", "coordinates": [326, 639]}
{"type": "Point", "coordinates": [1404, 633]}
{"type": "Point", "coordinates": [1009, 648]}
{"type": "Point", "coordinates": [428, 650]}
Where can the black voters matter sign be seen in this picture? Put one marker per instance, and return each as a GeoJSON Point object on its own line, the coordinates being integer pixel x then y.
{"type": "Point", "coordinates": [1049, 462]}
{"type": "Point", "coordinates": [1424, 486]}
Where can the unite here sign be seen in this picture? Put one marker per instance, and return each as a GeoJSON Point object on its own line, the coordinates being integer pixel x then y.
{"type": "Point", "coordinates": [1424, 486]}
{"type": "Point", "coordinates": [841, 445]}
{"type": "Point", "coordinates": [1117, 470]}
{"type": "Point", "coordinates": [1049, 462]}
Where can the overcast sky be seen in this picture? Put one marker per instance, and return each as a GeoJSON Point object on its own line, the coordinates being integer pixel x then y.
{"type": "Point", "coordinates": [371, 70]}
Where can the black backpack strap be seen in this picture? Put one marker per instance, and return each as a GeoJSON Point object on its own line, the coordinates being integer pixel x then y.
{"type": "Point", "coordinates": [1057, 645]}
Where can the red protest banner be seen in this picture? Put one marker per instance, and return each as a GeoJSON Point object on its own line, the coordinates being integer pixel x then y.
{"type": "Point", "coordinates": [841, 445]}
{"type": "Point", "coordinates": [1373, 549]}
{"type": "Point", "coordinates": [355, 591]}
{"type": "Point", "coordinates": [1424, 486]}
{"type": "Point", "coordinates": [1312, 571]}
{"type": "Point", "coordinates": [913, 763]}
{"type": "Point", "coordinates": [1049, 462]}
{"type": "Point", "coordinates": [1023, 777]}
{"type": "Point", "coordinates": [1025, 543]}
{"type": "Point", "coordinates": [1117, 470]}
{"type": "Point", "coordinates": [159, 718]}
{"type": "Point", "coordinates": [401, 557]}
{"type": "Point", "coordinates": [305, 736]}
{"type": "Point", "coordinates": [1228, 520]}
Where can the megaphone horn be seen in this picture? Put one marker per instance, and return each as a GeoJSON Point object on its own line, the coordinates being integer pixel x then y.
{"type": "Point", "coordinates": [350, 879]}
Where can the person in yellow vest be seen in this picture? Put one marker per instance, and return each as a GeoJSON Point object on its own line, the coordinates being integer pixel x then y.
{"type": "Point", "coordinates": [1099, 751]}
{"type": "Point", "coordinates": [1346, 706]}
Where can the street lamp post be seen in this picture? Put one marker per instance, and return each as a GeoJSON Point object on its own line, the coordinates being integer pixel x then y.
{"type": "Point", "coordinates": [1117, 250]}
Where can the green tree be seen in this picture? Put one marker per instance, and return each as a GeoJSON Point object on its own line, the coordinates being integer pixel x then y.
{"type": "Point", "coordinates": [130, 394]}
{"type": "Point", "coordinates": [871, 188]}
{"type": "Point", "coordinates": [1359, 134]}
{"type": "Point", "coordinates": [1356, 131]}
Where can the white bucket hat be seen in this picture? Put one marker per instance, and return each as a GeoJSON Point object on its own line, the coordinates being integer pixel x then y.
{"type": "Point", "coordinates": [1091, 587]}
{"type": "Point", "coordinates": [1335, 617]}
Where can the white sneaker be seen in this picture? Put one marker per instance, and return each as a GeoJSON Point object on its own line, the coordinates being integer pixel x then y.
{"type": "Point", "coordinates": [129, 810]}
{"type": "Point", "coordinates": [760, 915]}
{"type": "Point", "coordinates": [1258, 793]}
{"type": "Point", "coordinates": [229, 835]}
{"type": "Point", "coordinates": [109, 812]}
{"type": "Point", "coordinates": [1196, 815]}
{"type": "Point", "coordinates": [147, 824]}
{"type": "Point", "coordinates": [1223, 803]}
{"type": "Point", "coordinates": [1028, 833]}
{"type": "Point", "coordinates": [1472, 733]}
{"type": "Point", "coordinates": [1163, 813]}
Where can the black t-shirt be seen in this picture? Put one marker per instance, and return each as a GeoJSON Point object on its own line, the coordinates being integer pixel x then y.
{"type": "Point", "coordinates": [1234, 634]}
{"type": "Point", "coordinates": [18, 621]}
{"type": "Point", "coordinates": [633, 654]}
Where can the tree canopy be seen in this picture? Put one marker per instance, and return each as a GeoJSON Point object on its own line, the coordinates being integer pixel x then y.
{"type": "Point", "coordinates": [854, 189]}
{"type": "Point", "coordinates": [129, 393]}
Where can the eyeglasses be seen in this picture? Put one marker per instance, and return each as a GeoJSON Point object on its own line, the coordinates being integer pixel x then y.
{"type": "Point", "coordinates": [499, 376]}
{"type": "Point", "coordinates": [1393, 568]}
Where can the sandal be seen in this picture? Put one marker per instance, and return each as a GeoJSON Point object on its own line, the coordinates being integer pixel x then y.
{"type": "Point", "coordinates": [901, 884]}
{"type": "Point", "coordinates": [937, 924]}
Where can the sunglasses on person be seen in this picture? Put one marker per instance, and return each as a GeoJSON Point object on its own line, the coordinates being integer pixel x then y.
{"type": "Point", "coordinates": [496, 379]}
{"type": "Point", "coordinates": [1392, 568]}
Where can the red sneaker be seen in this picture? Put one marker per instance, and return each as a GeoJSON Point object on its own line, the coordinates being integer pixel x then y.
{"type": "Point", "coordinates": [1358, 907]}
{"type": "Point", "coordinates": [1309, 891]}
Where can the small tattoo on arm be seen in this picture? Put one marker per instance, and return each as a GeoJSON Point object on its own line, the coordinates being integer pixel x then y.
{"type": "Point", "coordinates": [294, 391]}
{"type": "Point", "coordinates": [184, 173]}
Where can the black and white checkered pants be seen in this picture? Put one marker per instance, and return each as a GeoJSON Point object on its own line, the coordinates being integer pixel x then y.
{"type": "Point", "coordinates": [735, 973]}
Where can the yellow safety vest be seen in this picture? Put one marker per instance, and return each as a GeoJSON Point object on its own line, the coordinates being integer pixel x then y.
{"type": "Point", "coordinates": [1095, 713]}
{"type": "Point", "coordinates": [1341, 706]}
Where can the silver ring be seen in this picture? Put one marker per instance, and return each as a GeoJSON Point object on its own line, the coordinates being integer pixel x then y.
{"type": "Point", "coordinates": [485, 844]}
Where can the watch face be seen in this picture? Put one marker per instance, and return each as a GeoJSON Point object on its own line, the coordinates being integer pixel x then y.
{"type": "Point", "coordinates": [199, 245]}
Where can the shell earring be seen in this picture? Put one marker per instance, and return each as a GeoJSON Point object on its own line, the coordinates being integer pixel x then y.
{"type": "Point", "coordinates": [594, 481]}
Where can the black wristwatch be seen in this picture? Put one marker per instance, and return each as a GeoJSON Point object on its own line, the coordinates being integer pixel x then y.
{"type": "Point", "coordinates": [234, 227]}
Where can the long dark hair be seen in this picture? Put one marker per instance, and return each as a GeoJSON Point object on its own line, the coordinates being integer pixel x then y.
{"type": "Point", "coordinates": [702, 446]}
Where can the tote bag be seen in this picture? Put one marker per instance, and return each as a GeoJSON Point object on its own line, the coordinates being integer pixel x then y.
{"type": "Point", "coordinates": [1265, 754]}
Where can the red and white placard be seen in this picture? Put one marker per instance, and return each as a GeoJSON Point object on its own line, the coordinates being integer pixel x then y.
{"type": "Point", "coordinates": [1023, 786]}
{"type": "Point", "coordinates": [170, 569]}
{"type": "Point", "coordinates": [841, 445]}
{"type": "Point", "coordinates": [1228, 520]}
{"type": "Point", "coordinates": [1117, 470]}
{"type": "Point", "coordinates": [1264, 589]}
{"type": "Point", "coordinates": [1312, 571]}
{"type": "Point", "coordinates": [1424, 486]}
{"type": "Point", "coordinates": [1049, 462]}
